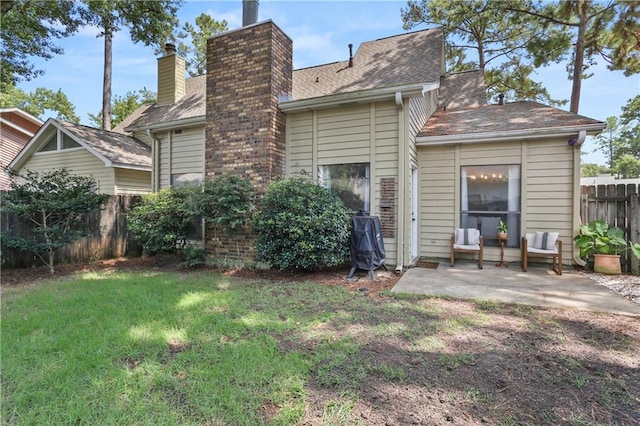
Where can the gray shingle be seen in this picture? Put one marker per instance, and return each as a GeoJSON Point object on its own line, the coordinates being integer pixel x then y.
{"type": "Point", "coordinates": [513, 116]}
{"type": "Point", "coordinates": [122, 150]}
{"type": "Point", "coordinates": [402, 59]}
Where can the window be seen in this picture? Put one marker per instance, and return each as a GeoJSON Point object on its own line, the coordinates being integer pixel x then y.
{"type": "Point", "coordinates": [53, 143]}
{"type": "Point", "coordinates": [350, 182]}
{"type": "Point", "coordinates": [489, 194]}
{"type": "Point", "coordinates": [186, 179]}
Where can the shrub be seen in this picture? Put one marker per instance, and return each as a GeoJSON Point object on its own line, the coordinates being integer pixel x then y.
{"type": "Point", "coordinates": [161, 222]}
{"type": "Point", "coordinates": [56, 204]}
{"type": "Point", "coordinates": [301, 226]}
{"type": "Point", "coordinates": [227, 202]}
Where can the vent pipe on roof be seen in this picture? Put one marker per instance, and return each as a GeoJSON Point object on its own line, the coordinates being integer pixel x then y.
{"type": "Point", "coordinates": [350, 55]}
{"type": "Point", "coordinates": [249, 12]}
{"type": "Point", "coordinates": [501, 99]}
{"type": "Point", "coordinates": [169, 49]}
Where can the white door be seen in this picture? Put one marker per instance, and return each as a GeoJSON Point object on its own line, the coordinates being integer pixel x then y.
{"type": "Point", "coordinates": [414, 213]}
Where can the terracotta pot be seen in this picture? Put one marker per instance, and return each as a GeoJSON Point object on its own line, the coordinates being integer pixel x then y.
{"type": "Point", "coordinates": [607, 264]}
{"type": "Point", "coordinates": [502, 235]}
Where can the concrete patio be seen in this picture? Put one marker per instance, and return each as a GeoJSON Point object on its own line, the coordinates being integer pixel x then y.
{"type": "Point", "coordinates": [538, 286]}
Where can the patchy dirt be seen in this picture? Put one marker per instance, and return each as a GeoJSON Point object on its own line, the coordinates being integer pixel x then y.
{"type": "Point", "coordinates": [499, 364]}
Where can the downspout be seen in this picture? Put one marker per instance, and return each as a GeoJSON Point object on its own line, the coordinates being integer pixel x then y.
{"type": "Point", "coordinates": [576, 193]}
{"type": "Point", "coordinates": [154, 153]}
{"type": "Point", "coordinates": [401, 184]}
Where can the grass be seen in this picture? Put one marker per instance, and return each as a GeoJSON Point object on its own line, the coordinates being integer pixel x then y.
{"type": "Point", "coordinates": [203, 348]}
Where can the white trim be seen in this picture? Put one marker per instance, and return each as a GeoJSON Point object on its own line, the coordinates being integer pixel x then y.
{"type": "Point", "coordinates": [183, 123]}
{"type": "Point", "coordinates": [22, 130]}
{"type": "Point", "coordinates": [361, 96]}
{"type": "Point", "coordinates": [544, 133]}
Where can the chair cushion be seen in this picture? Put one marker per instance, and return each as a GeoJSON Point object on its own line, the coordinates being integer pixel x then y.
{"type": "Point", "coordinates": [540, 251]}
{"type": "Point", "coordinates": [475, 247]}
{"type": "Point", "coordinates": [467, 237]}
{"type": "Point", "coordinates": [545, 240]}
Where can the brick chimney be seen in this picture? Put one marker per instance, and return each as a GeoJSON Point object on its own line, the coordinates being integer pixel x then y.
{"type": "Point", "coordinates": [171, 68]}
{"type": "Point", "coordinates": [247, 70]}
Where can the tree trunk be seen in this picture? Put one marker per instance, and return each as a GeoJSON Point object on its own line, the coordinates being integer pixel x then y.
{"type": "Point", "coordinates": [578, 62]}
{"type": "Point", "coordinates": [106, 84]}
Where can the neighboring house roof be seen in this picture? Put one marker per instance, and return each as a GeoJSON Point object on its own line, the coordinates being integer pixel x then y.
{"type": "Point", "coordinates": [515, 119]}
{"type": "Point", "coordinates": [462, 90]}
{"type": "Point", "coordinates": [16, 128]}
{"type": "Point", "coordinates": [114, 149]}
{"type": "Point", "coordinates": [393, 61]}
{"type": "Point", "coordinates": [192, 106]}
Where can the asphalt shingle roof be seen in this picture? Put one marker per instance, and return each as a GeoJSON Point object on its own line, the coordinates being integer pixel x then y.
{"type": "Point", "coordinates": [462, 90]}
{"type": "Point", "coordinates": [191, 105]}
{"type": "Point", "coordinates": [121, 150]}
{"type": "Point", "coordinates": [402, 59]}
{"type": "Point", "coordinates": [513, 116]}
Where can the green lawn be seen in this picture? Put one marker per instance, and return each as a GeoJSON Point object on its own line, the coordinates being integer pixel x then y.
{"type": "Point", "coordinates": [203, 348]}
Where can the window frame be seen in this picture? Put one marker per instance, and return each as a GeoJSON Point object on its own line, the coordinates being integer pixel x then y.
{"type": "Point", "coordinates": [511, 214]}
{"type": "Point", "coordinates": [322, 180]}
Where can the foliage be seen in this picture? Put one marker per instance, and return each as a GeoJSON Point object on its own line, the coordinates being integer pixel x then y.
{"type": "Point", "coordinates": [124, 106]}
{"type": "Point", "coordinates": [585, 31]}
{"type": "Point", "coordinates": [227, 202]}
{"type": "Point", "coordinates": [597, 237]}
{"type": "Point", "coordinates": [502, 227]}
{"type": "Point", "coordinates": [592, 170]}
{"type": "Point", "coordinates": [485, 35]}
{"type": "Point", "coordinates": [29, 28]}
{"type": "Point", "coordinates": [301, 226]}
{"type": "Point", "coordinates": [193, 42]}
{"type": "Point", "coordinates": [630, 128]}
{"type": "Point", "coordinates": [161, 221]}
{"type": "Point", "coordinates": [607, 141]}
{"type": "Point", "coordinates": [39, 101]}
{"type": "Point", "coordinates": [627, 167]}
{"type": "Point", "coordinates": [194, 254]}
{"type": "Point", "coordinates": [149, 22]}
{"type": "Point", "coordinates": [55, 203]}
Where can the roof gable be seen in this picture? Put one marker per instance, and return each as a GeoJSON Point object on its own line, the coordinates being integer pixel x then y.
{"type": "Point", "coordinates": [114, 149]}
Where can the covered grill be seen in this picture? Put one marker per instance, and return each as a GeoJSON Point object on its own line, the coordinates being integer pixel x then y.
{"type": "Point", "coordinates": [367, 246]}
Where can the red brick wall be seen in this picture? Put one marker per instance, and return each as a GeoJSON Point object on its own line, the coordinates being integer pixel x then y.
{"type": "Point", "coordinates": [247, 70]}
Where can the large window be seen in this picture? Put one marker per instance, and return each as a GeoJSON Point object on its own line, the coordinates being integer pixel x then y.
{"type": "Point", "coordinates": [489, 194]}
{"type": "Point", "coordinates": [350, 182]}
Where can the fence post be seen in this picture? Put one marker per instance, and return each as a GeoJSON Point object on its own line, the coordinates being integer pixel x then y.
{"type": "Point", "coordinates": [634, 229]}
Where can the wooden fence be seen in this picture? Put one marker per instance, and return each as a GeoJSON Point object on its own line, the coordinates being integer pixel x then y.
{"type": "Point", "coordinates": [108, 237]}
{"type": "Point", "coordinates": [618, 206]}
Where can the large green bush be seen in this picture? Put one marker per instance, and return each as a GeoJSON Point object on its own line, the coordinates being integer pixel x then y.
{"type": "Point", "coordinates": [161, 222]}
{"type": "Point", "coordinates": [301, 226]}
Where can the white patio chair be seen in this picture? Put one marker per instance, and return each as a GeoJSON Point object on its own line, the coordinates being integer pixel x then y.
{"type": "Point", "coordinates": [467, 240]}
{"type": "Point", "coordinates": [542, 244]}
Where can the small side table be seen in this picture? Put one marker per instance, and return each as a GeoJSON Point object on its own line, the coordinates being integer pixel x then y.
{"type": "Point", "coordinates": [502, 241]}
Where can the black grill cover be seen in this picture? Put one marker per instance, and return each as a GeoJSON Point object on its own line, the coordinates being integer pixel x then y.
{"type": "Point", "coordinates": [367, 246]}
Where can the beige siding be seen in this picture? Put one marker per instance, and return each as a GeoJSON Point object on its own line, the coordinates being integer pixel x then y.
{"type": "Point", "coordinates": [549, 191]}
{"type": "Point", "coordinates": [187, 151]}
{"type": "Point", "coordinates": [179, 153]}
{"type": "Point", "coordinates": [299, 144]}
{"type": "Point", "coordinates": [546, 190]}
{"type": "Point", "coordinates": [437, 191]}
{"type": "Point", "coordinates": [360, 134]}
{"type": "Point", "coordinates": [79, 161]}
{"type": "Point", "coordinates": [420, 109]}
{"type": "Point", "coordinates": [132, 182]}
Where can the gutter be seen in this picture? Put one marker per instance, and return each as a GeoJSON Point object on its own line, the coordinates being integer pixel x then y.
{"type": "Point", "coordinates": [8, 123]}
{"type": "Point", "coordinates": [469, 138]}
{"type": "Point", "coordinates": [186, 122]}
{"type": "Point", "coordinates": [361, 96]}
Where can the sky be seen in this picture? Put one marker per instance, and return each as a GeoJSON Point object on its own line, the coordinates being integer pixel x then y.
{"type": "Point", "coordinates": [321, 32]}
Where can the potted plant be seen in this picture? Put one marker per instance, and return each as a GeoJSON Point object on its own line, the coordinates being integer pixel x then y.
{"type": "Point", "coordinates": [502, 230]}
{"type": "Point", "coordinates": [605, 244]}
